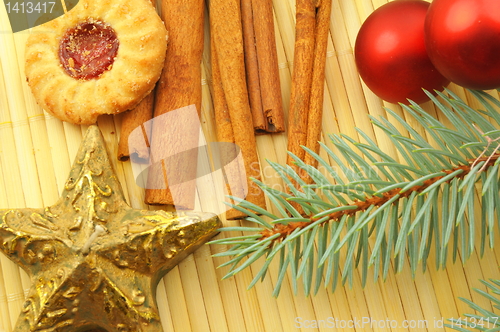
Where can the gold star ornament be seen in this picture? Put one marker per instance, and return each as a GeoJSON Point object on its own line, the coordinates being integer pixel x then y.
{"type": "Point", "coordinates": [95, 262]}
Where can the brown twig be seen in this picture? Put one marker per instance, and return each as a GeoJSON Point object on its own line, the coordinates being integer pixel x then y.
{"type": "Point", "coordinates": [377, 201]}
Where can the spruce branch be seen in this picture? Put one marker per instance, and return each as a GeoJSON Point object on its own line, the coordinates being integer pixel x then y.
{"type": "Point", "coordinates": [484, 319]}
{"type": "Point", "coordinates": [426, 202]}
{"type": "Point", "coordinates": [392, 195]}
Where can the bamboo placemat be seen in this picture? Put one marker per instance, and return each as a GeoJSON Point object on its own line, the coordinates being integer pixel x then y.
{"type": "Point", "coordinates": [36, 152]}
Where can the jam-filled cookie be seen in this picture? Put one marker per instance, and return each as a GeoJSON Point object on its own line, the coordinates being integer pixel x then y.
{"type": "Point", "coordinates": [102, 57]}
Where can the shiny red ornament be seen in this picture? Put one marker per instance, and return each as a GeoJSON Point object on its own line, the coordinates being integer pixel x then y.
{"type": "Point", "coordinates": [391, 55]}
{"type": "Point", "coordinates": [463, 41]}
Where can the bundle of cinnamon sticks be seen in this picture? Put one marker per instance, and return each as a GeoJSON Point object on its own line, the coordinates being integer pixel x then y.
{"type": "Point", "coordinates": [235, 118]}
{"type": "Point", "coordinates": [178, 87]}
{"type": "Point", "coordinates": [246, 88]}
{"type": "Point", "coordinates": [261, 64]}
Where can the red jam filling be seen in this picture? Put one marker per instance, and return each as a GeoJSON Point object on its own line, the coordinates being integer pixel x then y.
{"type": "Point", "coordinates": [88, 50]}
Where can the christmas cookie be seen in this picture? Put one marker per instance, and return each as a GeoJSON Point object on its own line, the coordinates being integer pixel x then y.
{"type": "Point", "coordinates": [102, 57]}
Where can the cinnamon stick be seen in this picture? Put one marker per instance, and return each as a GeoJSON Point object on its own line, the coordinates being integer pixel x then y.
{"type": "Point", "coordinates": [227, 32]}
{"type": "Point", "coordinates": [252, 67]}
{"type": "Point", "coordinates": [235, 180]}
{"type": "Point", "coordinates": [179, 86]}
{"type": "Point", "coordinates": [267, 56]}
{"type": "Point", "coordinates": [131, 120]}
{"type": "Point", "coordinates": [306, 108]}
{"type": "Point", "coordinates": [301, 78]}
{"type": "Point", "coordinates": [318, 84]}
{"type": "Point", "coordinates": [261, 62]}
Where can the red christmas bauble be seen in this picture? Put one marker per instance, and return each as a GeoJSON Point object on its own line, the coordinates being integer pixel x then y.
{"type": "Point", "coordinates": [391, 55]}
{"type": "Point", "coordinates": [463, 41]}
